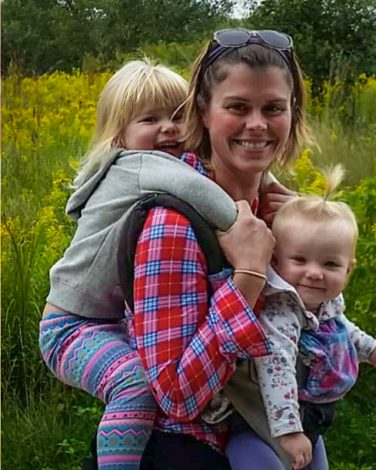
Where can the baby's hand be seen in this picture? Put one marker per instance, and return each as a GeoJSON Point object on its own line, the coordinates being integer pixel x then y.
{"type": "Point", "coordinates": [372, 358]}
{"type": "Point", "coordinates": [298, 447]}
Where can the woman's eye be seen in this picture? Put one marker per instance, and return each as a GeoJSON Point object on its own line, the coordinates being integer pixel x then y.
{"type": "Point", "coordinates": [273, 109]}
{"type": "Point", "coordinates": [237, 107]}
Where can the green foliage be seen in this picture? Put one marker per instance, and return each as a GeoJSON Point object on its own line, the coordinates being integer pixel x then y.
{"type": "Point", "coordinates": [60, 33]}
{"type": "Point", "coordinates": [360, 293]}
{"type": "Point", "coordinates": [326, 33]}
{"type": "Point", "coordinates": [54, 432]}
{"type": "Point", "coordinates": [351, 442]}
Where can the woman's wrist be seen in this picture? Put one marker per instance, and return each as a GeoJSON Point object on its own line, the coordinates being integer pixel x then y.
{"type": "Point", "coordinates": [250, 286]}
{"type": "Point", "coordinates": [251, 272]}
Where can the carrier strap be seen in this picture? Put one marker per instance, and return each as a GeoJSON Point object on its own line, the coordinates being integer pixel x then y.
{"type": "Point", "coordinates": [133, 227]}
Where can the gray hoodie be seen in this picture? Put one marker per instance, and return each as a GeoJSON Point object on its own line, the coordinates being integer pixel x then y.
{"type": "Point", "coordinates": [85, 280]}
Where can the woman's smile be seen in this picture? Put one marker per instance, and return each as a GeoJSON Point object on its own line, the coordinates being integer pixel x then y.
{"type": "Point", "coordinates": [248, 120]}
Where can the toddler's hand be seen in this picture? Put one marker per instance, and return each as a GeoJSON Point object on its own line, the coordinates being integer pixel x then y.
{"type": "Point", "coordinates": [298, 447]}
{"type": "Point", "coordinates": [248, 244]}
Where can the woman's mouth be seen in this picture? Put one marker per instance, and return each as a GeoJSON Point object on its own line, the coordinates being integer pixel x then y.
{"type": "Point", "coordinates": [253, 145]}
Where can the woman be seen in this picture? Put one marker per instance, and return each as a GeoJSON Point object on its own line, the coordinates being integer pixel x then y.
{"type": "Point", "coordinates": [245, 111]}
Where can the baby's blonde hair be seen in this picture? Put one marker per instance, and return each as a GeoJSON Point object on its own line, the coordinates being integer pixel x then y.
{"type": "Point", "coordinates": [318, 209]}
{"type": "Point", "coordinates": [139, 84]}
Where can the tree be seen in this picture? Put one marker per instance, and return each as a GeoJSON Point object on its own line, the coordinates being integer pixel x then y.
{"type": "Point", "coordinates": [56, 34]}
{"type": "Point", "coordinates": [327, 33]}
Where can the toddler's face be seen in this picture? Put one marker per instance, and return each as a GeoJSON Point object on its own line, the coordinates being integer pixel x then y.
{"type": "Point", "coordinates": [316, 258]}
{"type": "Point", "coordinates": [155, 129]}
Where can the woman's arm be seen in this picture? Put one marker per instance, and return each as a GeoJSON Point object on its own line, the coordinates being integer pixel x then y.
{"type": "Point", "coordinates": [188, 340]}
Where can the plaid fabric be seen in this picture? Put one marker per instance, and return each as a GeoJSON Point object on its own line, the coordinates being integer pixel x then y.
{"type": "Point", "coordinates": [189, 329]}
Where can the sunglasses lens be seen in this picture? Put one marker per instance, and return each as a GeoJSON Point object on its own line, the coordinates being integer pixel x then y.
{"type": "Point", "coordinates": [275, 39]}
{"type": "Point", "coordinates": [232, 37]}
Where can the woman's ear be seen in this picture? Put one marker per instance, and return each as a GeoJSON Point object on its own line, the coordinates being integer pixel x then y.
{"type": "Point", "coordinates": [204, 118]}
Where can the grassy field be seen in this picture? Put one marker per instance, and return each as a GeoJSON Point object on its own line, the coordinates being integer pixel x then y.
{"type": "Point", "coordinates": [47, 122]}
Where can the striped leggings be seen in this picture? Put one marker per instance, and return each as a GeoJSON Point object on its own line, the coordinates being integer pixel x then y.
{"type": "Point", "coordinates": [95, 356]}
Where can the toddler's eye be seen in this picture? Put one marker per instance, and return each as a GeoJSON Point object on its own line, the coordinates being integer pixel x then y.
{"type": "Point", "coordinates": [148, 119]}
{"type": "Point", "coordinates": [177, 117]}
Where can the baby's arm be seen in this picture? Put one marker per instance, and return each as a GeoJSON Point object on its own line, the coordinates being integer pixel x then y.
{"type": "Point", "coordinates": [298, 447]}
{"type": "Point", "coordinates": [278, 385]}
{"type": "Point", "coordinates": [372, 357]}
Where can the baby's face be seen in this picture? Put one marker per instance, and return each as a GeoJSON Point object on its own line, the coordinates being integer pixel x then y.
{"type": "Point", "coordinates": [155, 129]}
{"type": "Point", "coordinates": [315, 258]}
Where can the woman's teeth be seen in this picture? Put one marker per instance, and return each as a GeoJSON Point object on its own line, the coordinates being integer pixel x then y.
{"type": "Point", "coordinates": [252, 145]}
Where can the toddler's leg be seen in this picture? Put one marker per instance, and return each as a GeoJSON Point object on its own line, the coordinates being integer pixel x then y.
{"type": "Point", "coordinates": [319, 458]}
{"type": "Point", "coordinates": [129, 415]}
{"type": "Point", "coordinates": [246, 451]}
{"type": "Point", "coordinates": [95, 357]}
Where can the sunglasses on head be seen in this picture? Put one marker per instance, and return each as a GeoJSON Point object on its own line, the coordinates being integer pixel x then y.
{"type": "Point", "coordinates": [239, 37]}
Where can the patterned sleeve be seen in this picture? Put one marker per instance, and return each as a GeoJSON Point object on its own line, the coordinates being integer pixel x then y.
{"type": "Point", "coordinates": [277, 372]}
{"type": "Point", "coordinates": [364, 343]}
{"type": "Point", "coordinates": [188, 342]}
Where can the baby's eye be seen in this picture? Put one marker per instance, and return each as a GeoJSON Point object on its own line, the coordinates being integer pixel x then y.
{"type": "Point", "coordinates": [298, 259]}
{"type": "Point", "coordinates": [331, 264]}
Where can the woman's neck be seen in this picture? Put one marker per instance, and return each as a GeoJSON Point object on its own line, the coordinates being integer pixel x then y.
{"type": "Point", "coordinates": [238, 186]}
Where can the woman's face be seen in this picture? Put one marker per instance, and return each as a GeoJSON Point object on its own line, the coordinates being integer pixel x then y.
{"type": "Point", "coordinates": [248, 119]}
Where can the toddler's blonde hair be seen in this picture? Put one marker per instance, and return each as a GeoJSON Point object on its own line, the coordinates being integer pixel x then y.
{"type": "Point", "coordinates": [139, 84]}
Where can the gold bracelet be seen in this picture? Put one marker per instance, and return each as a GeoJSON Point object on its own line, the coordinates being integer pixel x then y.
{"type": "Point", "coordinates": [251, 273]}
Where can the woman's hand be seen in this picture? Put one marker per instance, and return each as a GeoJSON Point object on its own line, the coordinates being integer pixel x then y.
{"type": "Point", "coordinates": [298, 447]}
{"type": "Point", "coordinates": [272, 197]}
{"type": "Point", "coordinates": [248, 244]}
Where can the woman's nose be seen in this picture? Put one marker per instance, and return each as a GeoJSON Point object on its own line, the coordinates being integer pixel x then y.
{"type": "Point", "coordinates": [256, 121]}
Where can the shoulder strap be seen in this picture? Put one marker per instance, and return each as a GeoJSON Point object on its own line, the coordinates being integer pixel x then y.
{"type": "Point", "coordinates": [133, 227]}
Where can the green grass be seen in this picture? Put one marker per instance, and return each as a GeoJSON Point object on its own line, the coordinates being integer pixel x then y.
{"type": "Point", "coordinates": [52, 433]}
